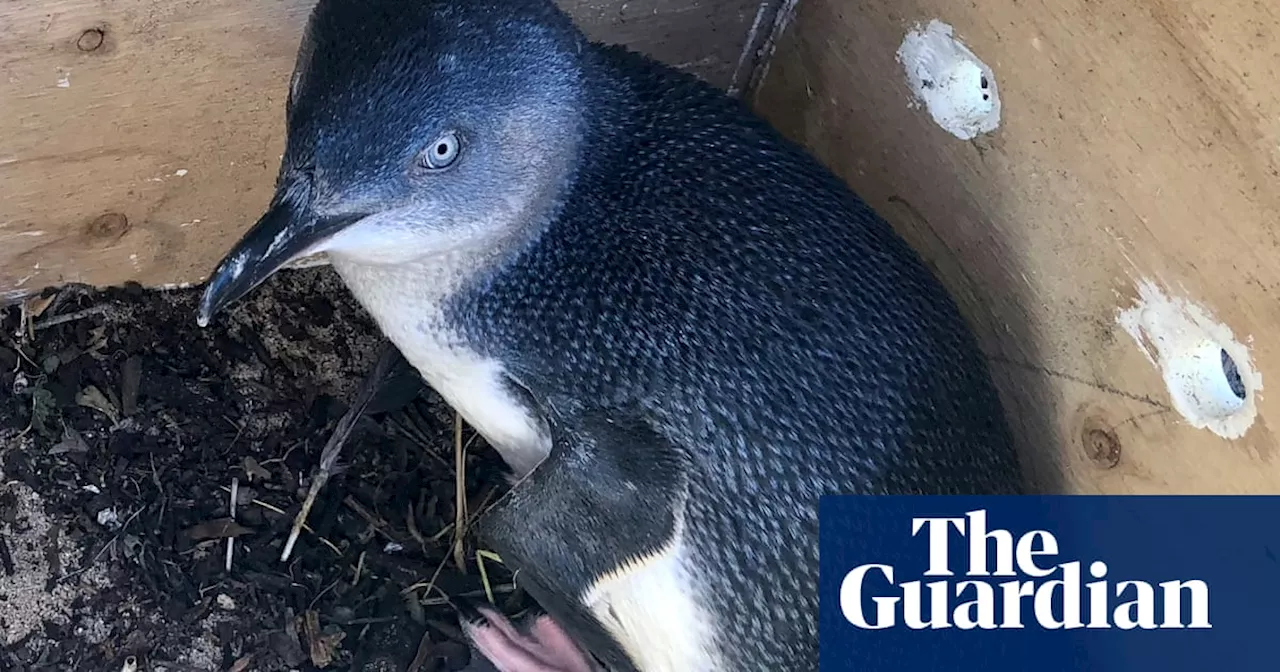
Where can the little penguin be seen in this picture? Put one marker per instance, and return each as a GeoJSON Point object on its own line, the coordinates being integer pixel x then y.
{"type": "Point", "coordinates": [675, 325]}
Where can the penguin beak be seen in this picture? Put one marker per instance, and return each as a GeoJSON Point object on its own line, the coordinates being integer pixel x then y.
{"type": "Point", "coordinates": [286, 233]}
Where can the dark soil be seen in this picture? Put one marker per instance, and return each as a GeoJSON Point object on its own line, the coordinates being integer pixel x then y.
{"type": "Point", "coordinates": [122, 427]}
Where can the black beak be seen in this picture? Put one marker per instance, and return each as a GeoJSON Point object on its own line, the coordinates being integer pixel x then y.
{"type": "Point", "coordinates": [286, 232]}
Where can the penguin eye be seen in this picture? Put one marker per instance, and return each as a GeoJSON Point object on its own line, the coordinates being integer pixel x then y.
{"type": "Point", "coordinates": [441, 152]}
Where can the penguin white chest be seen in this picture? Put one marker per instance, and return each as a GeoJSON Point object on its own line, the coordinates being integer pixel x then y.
{"type": "Point", "coordinates": [477, 387]}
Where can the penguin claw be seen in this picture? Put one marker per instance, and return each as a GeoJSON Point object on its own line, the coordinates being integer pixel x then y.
{"type": "Point", "coordinates": [468, 612]}
{"type": "Point", "coordinates": [545, 647]}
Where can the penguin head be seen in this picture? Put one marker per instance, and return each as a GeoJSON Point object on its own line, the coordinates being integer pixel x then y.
{"type": "Point", "coordinates": [415, 130]}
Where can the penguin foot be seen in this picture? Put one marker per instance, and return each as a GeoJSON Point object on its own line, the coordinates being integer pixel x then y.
{"type": "Point", "coordinates": [543, 648]}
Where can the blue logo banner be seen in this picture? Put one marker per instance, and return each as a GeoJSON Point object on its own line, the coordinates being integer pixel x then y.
{"type": "Point", "coordinates": [1049, 583]}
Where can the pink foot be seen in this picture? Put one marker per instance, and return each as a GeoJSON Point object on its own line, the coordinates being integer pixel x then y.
{"type": "Point", "coordinates": [545, 648]}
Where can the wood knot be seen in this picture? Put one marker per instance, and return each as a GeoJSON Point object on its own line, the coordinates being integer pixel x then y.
{"type": "Point", "coordinates": [91, 39]}
{"type": "Point", "coordinates": [1100, 443]}
{"type": "Point", "coordinates": [108, 227]}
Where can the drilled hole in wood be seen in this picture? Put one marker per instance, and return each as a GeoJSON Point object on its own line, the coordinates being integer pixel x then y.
{"type": "Point", "coordinates": [1233, 375]}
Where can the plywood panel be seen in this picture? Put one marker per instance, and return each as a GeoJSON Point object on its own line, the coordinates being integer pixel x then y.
{"type": "Point", "coordinates": [1139, 142]}
{"type": "Point", "coordinates": [139, 137]}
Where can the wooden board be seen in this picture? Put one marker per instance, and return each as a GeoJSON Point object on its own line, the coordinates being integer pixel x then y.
{"type": "Point", "coordinates": [138, 138]}
{"type": "Point", "coordinates": [1138, 142]}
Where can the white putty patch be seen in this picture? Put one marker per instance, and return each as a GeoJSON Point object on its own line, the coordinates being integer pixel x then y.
{"type": "Point", "coordinates": [1209, 374]}
{"type": "Point", "coordinates": [957, 88]}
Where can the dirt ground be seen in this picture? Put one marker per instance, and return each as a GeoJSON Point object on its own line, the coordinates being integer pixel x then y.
{"type": "Point", "coordinates": [122, 428]}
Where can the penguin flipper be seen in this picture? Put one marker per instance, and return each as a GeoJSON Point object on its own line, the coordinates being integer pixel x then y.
{"type": "Point", "coordinates": [606, 506]}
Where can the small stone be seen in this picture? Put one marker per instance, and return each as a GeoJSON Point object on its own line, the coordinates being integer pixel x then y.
{"type": "Point", "coordinates": [109, 519]}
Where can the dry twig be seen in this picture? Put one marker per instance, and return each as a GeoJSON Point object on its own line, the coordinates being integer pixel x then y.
{"type": "Point", "coordinates": [333, 448]}
{"type": "Point", "coordinates": [231, 508]}
{"type": "Point", "coordinates": [460, 494]}
{"type": "Point", "coordinates": [69, 317]}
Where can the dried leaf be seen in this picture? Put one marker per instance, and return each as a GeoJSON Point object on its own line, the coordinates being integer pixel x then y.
{"type": "Point", "coordinates": [92, 397]}
{"type": "Point", "coordinates": [97, 340]}
{"type": "Point", "coordinates": [35, 306]}
{"type": "Point", "coordinates": [132, 546]}
{"type": "Point", "coordinates": [245, 495]}
{"type": "Point", "coordinates": [320, 646]}
{"type": "Point", "coordinates": [109, 518]}
{"type": "Point", "coordinates": [43, 409]}
{"type": "Point", "coordinates": [255, 470]}
{"type": "Point", "coordinates": [69, 354]}
{"type": "Point", "coordinates": [425, 649]}
{"type": "Point", "coordinates": [71, 442]}
{"type": "Point", "coordinates": [220, 528]}
{"type": "Point", "coordinates": [288, 645]}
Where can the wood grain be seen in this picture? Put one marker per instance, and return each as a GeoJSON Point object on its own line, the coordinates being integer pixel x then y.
{"type": "Point", "coordinates": [1139, 140]}
{"type": "Point", "coordinates": [138, 138]}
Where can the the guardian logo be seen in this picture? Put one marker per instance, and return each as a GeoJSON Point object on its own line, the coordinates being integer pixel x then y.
{"type": "Point", "coordinates": [984, 602]}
